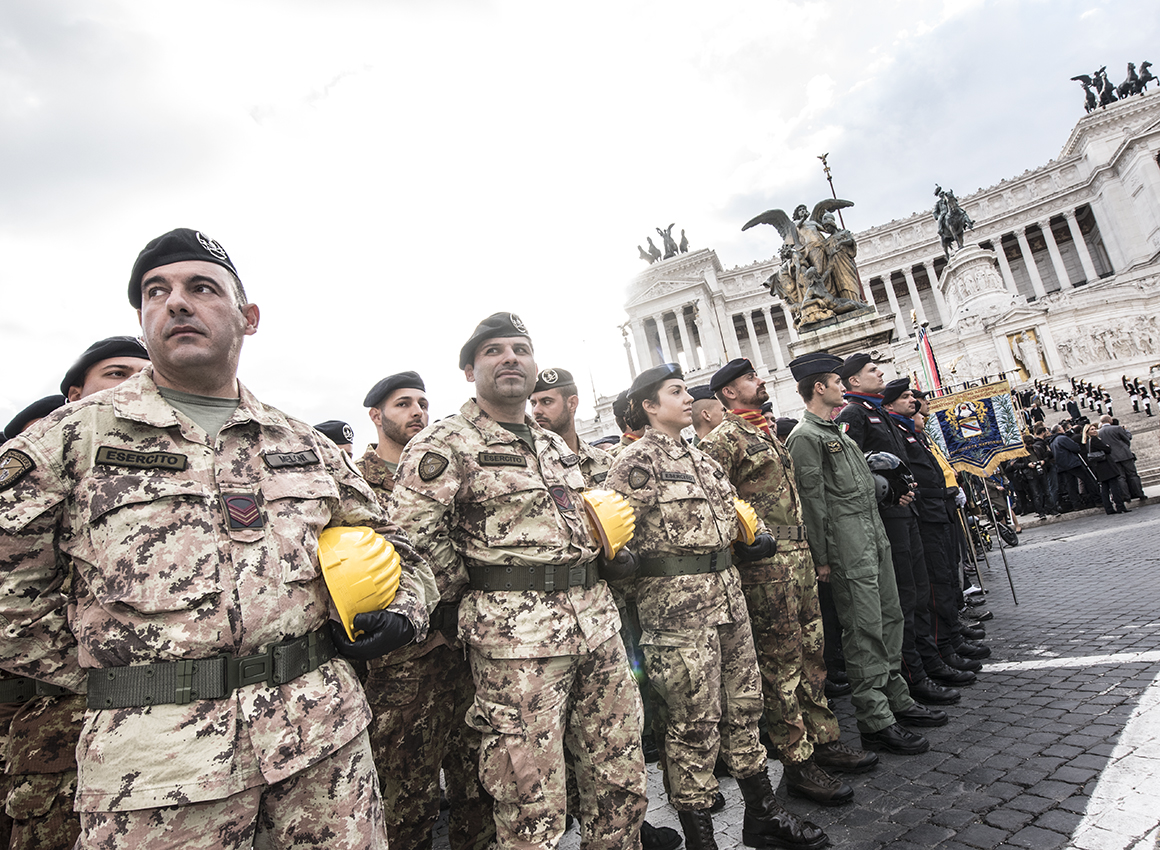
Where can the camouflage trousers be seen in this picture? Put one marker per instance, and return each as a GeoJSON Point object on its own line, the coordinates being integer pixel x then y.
{"type": "Point", "coordinates": [709, 700]}
{"type": "Point", "coordinates": [6, 712]}
{"type": "Point", "coordinates": [418, 728]}
{"type": "Point", "coordinates": [333, 804]}
{"type": "Point", "coordinates": [529, 710]}
{"type": "Point", "coordinates": [42, 775]}
{"type": "Point", "coordinates": [787, 633]}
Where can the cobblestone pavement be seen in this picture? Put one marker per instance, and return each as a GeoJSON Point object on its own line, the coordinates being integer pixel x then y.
{"type": "Point", "coordinates": [1056, 746]}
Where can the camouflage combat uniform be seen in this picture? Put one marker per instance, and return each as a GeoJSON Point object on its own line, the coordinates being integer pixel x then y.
{"type": "Point", "coordinates": [180, 550]}
{"type": "Point", "coordinates": [781, 592]}
{"type": "Point", "coordinates": [696, 634]}
{"type": "Point", "coordinates": [42, 773]}
{"type": "Point", "coordinates": [419, 695]}
{"type": "Point", "coordinates": [845, 531]}
{"type": "Point", "coordinates": [550, 669]}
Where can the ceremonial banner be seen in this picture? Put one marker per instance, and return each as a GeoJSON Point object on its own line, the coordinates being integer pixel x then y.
{"type": "Point", "coordinates": [976, 428]}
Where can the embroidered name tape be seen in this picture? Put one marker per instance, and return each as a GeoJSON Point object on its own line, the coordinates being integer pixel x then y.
{"type": "Point", "coordinates": [113, 456]}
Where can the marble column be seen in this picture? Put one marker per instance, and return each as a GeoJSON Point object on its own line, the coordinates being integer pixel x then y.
{"type": "Point", "coordinates": [1081, 248]}
{"type": "Point", "coordinates": [663, 334]}
{"type": "Point", "coordinates": [1053, 250]}
{"type": "Point", "coordinates": [1029, 261]}
{"type": "Point", "coordinates": [940, 302]}
{"type": "Point", "coordinates": [1004, 266]}
{"type": "Point", "coordinates": [793, 334]}
{"type": "Point", "coordinates": [686, 340]}
{"type": "Point", "coordinates": [916, 302]}
{"type": "Point", "coordinates": [774, 343]}
{"type": "Point", "coordinates": [755, 346]}
{"type": "Point", "coordinates": [900, 327]}
{"type": "Point", "coordinates": [868, 292]}
{"type": "Point", "coordinates": [708, 341]}
{"type": "Point", "coordinates": [628, 351]}
{"type": "Point", "coordinates": [729, 329]}
{"type": "Point", "coordinates": [644, 352]}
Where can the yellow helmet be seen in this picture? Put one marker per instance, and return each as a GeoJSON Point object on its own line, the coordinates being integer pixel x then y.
{"type": "Point", "coordinates": [361, 570]}
{"type": "Point", "coordinates": [611, 517]}
{"type": "Point", "coordinates": [746, 521]}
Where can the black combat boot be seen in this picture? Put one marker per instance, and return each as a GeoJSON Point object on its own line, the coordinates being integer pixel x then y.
{"type": "Point", "coordinates": [767, 824]}
{"type": "Point", "coordinates": [698, 829]}
{"type": "Point", "coordinates": [810, 781]}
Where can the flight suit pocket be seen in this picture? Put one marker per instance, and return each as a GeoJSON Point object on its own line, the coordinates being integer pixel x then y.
{"type": "Point", "coordinates": [507, 764]}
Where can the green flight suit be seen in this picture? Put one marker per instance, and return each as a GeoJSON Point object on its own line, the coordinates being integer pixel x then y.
{"type": "Point", "coordinates": [838, 504]}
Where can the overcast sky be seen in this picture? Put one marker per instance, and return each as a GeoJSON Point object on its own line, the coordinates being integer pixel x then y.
{"type": "Point", "coordinates": [386, 174]}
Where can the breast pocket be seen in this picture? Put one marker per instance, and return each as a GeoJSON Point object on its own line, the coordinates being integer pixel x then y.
{"type": "Point", "coordinates": [298, 507]}
{"type": "Point", "coordinates": [154, 542]}
{"type": "Point", "coordinates": [687, 516]}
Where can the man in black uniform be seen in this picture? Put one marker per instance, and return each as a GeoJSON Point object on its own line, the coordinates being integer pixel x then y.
{"type": "Point", "coordinates": [934, 523]}
{"type": "Point", "coordinates": [869, 425]}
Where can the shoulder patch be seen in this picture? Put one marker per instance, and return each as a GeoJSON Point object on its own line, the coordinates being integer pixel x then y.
{"type": "Point", "coordinates": [569, 460]}
{"type": "Point", "coordinates": [14, 465]}
{"type": "Point", "coordinates": [678, 476]}
{"type": "Point", "coordinates": [598, 477]}
{"type": "Point", "coordinates": [431, 466]}
{"type": "Point", "coordinates": [637, 477]}
{"type": "Point", "coordinates": [758, 447]}
{"type": "Point", "coordinates": [834, 446]}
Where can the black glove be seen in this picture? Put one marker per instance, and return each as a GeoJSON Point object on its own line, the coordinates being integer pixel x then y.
{"type": "Point", "coordinates": [624, 565]}
{"type": "Point", "coordinates": [382, 632]}
{"type": "Point", "coordinates": [761, 548]}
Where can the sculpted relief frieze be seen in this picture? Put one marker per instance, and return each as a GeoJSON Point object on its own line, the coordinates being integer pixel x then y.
{"type": "Point", "coordinates": [1110, 341]}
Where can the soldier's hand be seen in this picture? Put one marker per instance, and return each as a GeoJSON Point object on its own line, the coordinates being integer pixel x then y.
{"type": "Point", "coordinates": [623, 566]}
{"type": "Point", "coordinates": [823, 572]}
{"type": "Point", "coordinates": [760, 549]}
{"type": "Point", "coordinates": [382, 632]}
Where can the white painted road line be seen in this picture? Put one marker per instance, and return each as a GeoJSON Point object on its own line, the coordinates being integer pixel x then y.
{"type": "Point", "coordinates": [1122, 813]}
{"type": "Point", "coordinates": [1074, 661]}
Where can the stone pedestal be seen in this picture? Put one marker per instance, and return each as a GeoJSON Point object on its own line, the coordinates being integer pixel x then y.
{"type": "Point", "coordinates": [972, 285]}
{"type": "Point", "coordinates": [865, 330]}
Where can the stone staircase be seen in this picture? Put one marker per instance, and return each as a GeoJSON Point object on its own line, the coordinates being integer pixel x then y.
{"type": "Point", "coordinates": [1145, 430]}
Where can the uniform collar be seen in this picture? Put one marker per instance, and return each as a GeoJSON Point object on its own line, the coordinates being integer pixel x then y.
{"type": "Point", "coordinates": [673, 448]}
{"type": "Point", "coordinates": [866, 399]}
{"type": "Point", "coordinates": [139, 400]}
{"type": "Point", "coordinates": [493, 432]}
{"type": "Point", "coordinates": [374, 468]}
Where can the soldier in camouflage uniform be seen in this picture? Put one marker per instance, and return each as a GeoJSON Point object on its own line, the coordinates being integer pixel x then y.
{"type": "Point", "coordinates": [781, 594]}
{"type": "Point", "coordinates": [553, 402]}
{"type": "Point", "coordinates": [420, 694]}
{"type": "Point", "coordinates": [159, 548]}
{"type": "Point", "coordinates": [42, 769]}
{"type": "Point", "coordinates": [494, 502]}
{"type": "Point", "coordinates": [696, 634]}
{"type": "Point", "coordinates": [839, 504]}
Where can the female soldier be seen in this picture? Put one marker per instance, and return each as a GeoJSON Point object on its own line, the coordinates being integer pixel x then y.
{"type": "Point", "coordinates": [1106, 472]}
{"type": "Point", "coordinates": [696, 636]}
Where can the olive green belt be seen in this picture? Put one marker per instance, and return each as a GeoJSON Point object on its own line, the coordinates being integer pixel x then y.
{"type": "Point", "coordinates": [541, 577]}
{"type": "Point", "coordinates": [787, 532]}
{"type": "Point", "coordinates": [686, 565]}
{"type": "Point", "coordinates": [23, 689]}
{"type": "Point", "coordinates": [181, 682]}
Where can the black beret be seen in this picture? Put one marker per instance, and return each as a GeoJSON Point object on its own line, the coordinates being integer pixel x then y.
{"type": "Point", "coordinates": [610, 440]}
{"type": "Point", "coordinates": [854, 364]}
{"type": "Point", "coordinates": [620, 406]}
{"type": "Point", "coordinates": [730, 372]}
{"type": "Point", "coordinates": [894, 389]}
{"type": "Point", "coordinates": [814, 363]}
{"type": "Point", "coordinates": [550, 379]}
{"type": "Point", "coordinates": [649, 378]}
{"type": "Point", "coordinates": [114, 346]}
{"type": "Point", "coordinates": [37, 410]}
{"type": "Point", "coordinates": [338, 431]}
{"type": "Point", "coordinates": [495, 325]}
{"type": "Point", "coordinates": [921, 394]}
{"type": "Point", "coordinates": [389, 384]}
{"type": "Point", "coordinates": [785, 424]}
{"type": "Point", "coordinates": [702, 393]}
{"type": "Point", "coordinates": [174, 247]}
